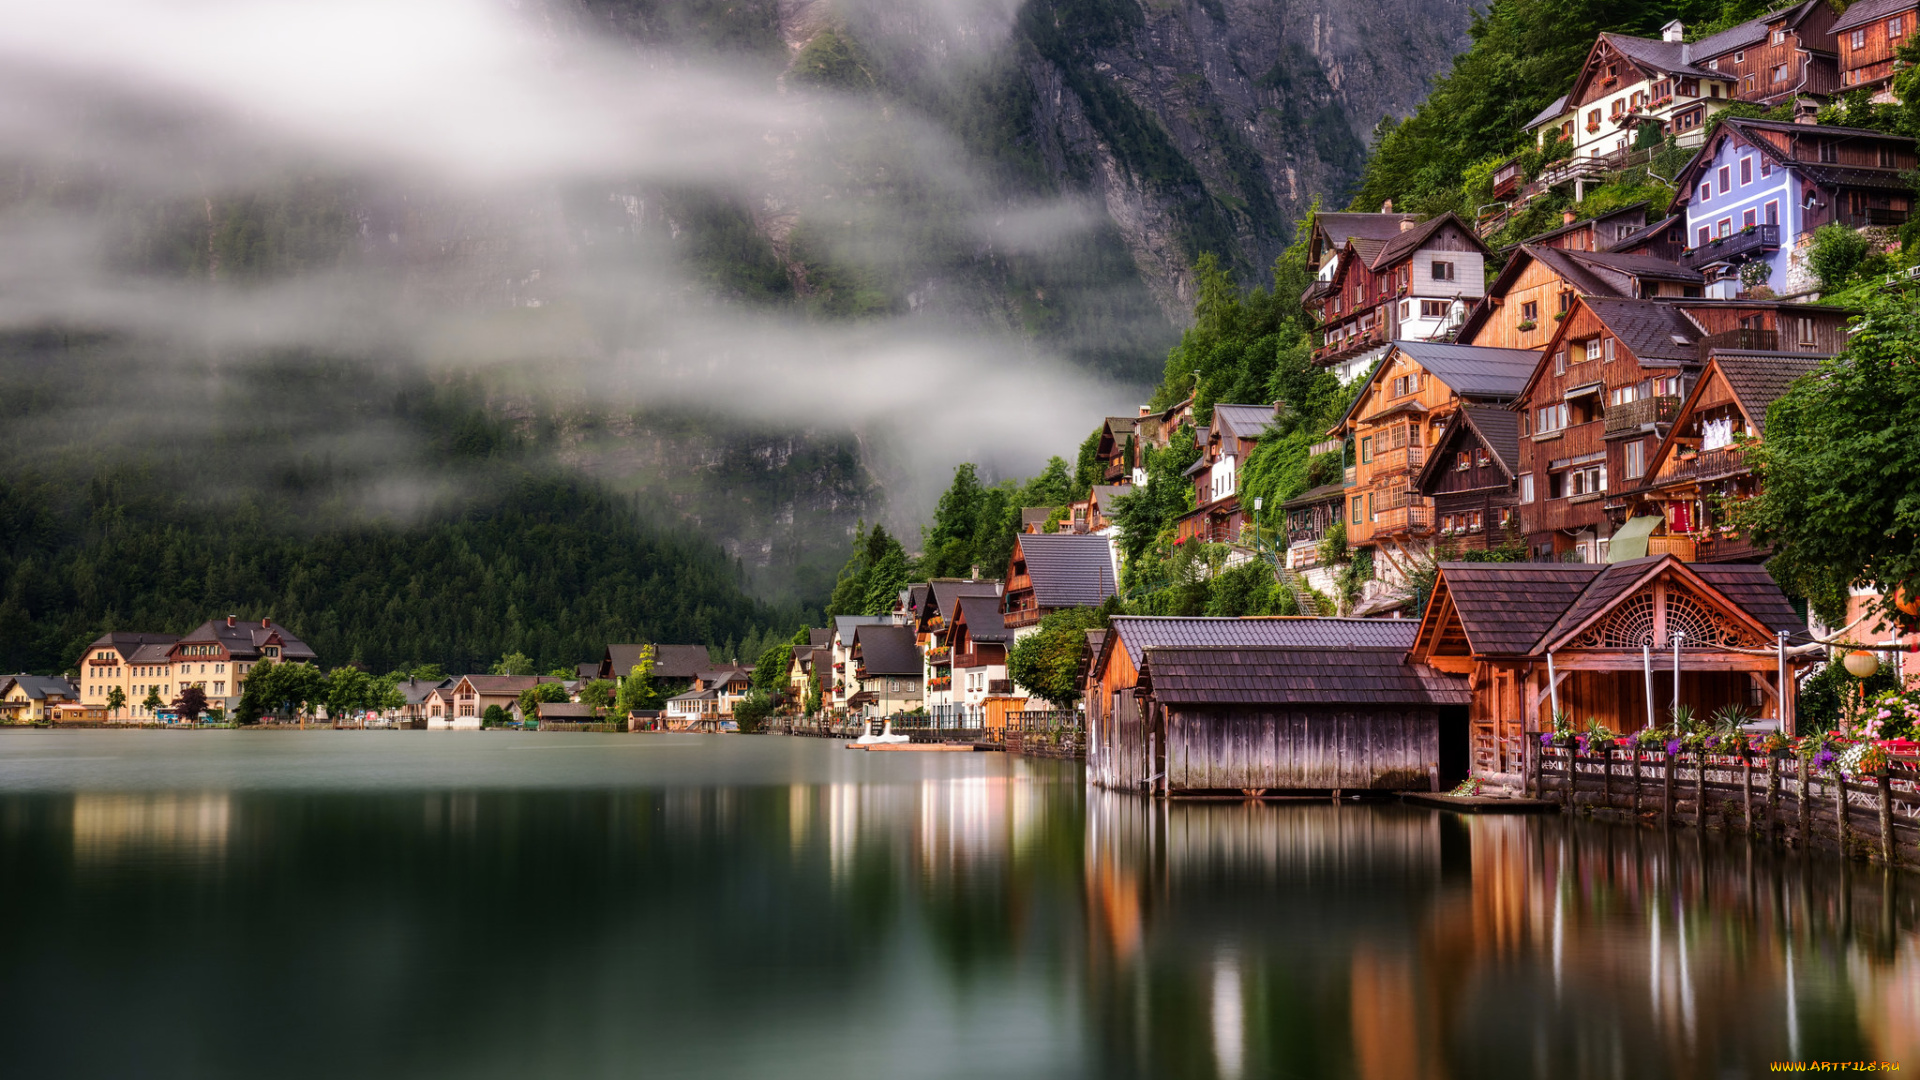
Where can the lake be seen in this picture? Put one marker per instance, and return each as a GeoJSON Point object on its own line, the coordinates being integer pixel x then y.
{"type": "Point", "coordinates": [412, 904]}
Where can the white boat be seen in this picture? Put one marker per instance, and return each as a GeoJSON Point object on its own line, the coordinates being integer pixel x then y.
{"type": "Point", "coordinates": [879, 733]}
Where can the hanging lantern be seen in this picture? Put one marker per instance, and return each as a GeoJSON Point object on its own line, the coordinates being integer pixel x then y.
{"type": "Point", "coordinates": [1861, 665]}
{"type": "Point", "coordinates": [1907, 599]}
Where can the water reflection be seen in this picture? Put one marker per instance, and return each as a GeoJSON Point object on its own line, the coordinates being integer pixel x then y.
{"type": "Point", "coordinates": [983, 916]}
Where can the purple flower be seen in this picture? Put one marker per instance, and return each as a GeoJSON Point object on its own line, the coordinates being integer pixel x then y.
{"type": "Point", "coordinates": [1673, 746]}
{"type": "Point", "coordinates": [1824, 758]}
{"type": "Point", "coordinates": [1546, 739]}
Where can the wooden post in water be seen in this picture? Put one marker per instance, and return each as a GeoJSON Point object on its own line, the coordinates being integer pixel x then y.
{"type": "Point", "coordinates": [1700, 790]}
{"type": "Point", "coordinates": [1532, 756]}
{"type": "Point", "coordinates": [1746, 790]}
{"type": "Point", "coordinates": [1806, 798]}
{"type": "Point", "coordinates": [1666, 794]}
{"type": "Point", "coordinates": [1636, 782]}
{"type": "Point", "coordinates": [1886, 821]}
{"type": "Point", "coordinates": [1773, 797]}
{"type": "Point", "coordinates": [1840, 807]}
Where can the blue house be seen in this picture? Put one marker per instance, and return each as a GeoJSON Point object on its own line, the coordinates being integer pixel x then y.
{"type": "Point", "coordinates": [1759, 188]}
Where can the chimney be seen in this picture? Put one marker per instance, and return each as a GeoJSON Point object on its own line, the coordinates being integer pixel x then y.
{"type": "Point", "coordinates": [976, 573]}
{"type": "Point", "coordinates": [1674, 31]}
{"type": "Point", "coordinates": [264, 623]}
{"type": "Point", "coordinates": [1568, 217]}
{"type": "Point", "coordinates": [1144, 410]}
{"type": "Point", "coordinates": [229, 620]}
{"type": "Point", "coordinates": [1405, 224]}
{"type": "Point", "coordinates": [1387, 207]}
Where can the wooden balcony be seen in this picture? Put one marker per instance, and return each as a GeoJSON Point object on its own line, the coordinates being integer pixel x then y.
{"type": "Point", "coordinates": [1746, 244]}
{"type": "Point", "coordinates": [1025, 616]}
{"type": "Point", "coordinates": [1703, 465]}
{"type": "Point", "coordinates": [1405, 459]}
{"type": "Point", "coordinates": [974, 659]}
{"type": "Point", "coordinates": [1404, 521]}
{"type": "Point", "coordinates": [1741, 340]}
{"type": "Point", "coordinates": [1333, 352]}
{"type": "Point", "coordinates": [1679, 546]}
{"type": "Point", "coordinates": [1648, 411]}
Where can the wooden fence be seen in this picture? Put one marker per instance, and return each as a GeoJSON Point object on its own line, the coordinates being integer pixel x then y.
{"type": "Point", "coordinates": [1778, 798]}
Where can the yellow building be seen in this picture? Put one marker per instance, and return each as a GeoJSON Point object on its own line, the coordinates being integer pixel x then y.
{"type": "Point", "coordinates": [215, 657]}
{"type": "Point", "coordinates": [33, 699]}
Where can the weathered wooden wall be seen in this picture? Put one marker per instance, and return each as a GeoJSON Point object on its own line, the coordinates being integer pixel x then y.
{"type": "Point", "coordinates": [1223, 747]}
{"type": "Point", "coordinates": [1117, 741]}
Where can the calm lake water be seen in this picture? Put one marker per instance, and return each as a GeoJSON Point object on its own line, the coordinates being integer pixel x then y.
{"type": "Point", "coordinates": [368, 904]}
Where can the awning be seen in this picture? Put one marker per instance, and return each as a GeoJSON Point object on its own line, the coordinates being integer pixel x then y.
{"type": "Point", "coordinates": [1630, 540]}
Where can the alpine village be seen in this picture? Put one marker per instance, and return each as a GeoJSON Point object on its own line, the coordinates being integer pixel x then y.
{"type": "Point", "coordinates": [1508, 501]}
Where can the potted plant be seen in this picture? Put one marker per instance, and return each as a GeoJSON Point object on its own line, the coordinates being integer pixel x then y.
{"type": "Point", "coordinates": [1526, 325]}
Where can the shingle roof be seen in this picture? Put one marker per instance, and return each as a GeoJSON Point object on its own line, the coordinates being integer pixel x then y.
{"type": "Point", "coordinates": [948, 593]}
{"type": "Point", "coordinates": [1652, 332]}
{"type": "Point", "coordinates": [819, 637]}
{"type": "Point", "coordinates": [1586, 222]}
{"type": "Point", "coordinates": [1506, 607]}
{"type": "Point", "coordinates": [1104, 494]}
{"type": "Point", "coordinates": [1641, 236]}
{"type": "Point", "coordinates": [1563, 263]}
{"type": "Point", "coordinates": [1136, 633]}
{"type": "Point", "coordinates": [38, 687]}
{"type": "Point", "coordinates": [154, 652]}
{"type": "Point", "coordinates": [246, 639]}
{"type": "Point", "coordinates": [495, 685]}
{"type": "Point", "coordinates": [1409, 241]}
{"type": "Point", "coordinates": [416, 691]}
{"type": "Point", "coordinates": [1035, 515]}
{"type": "Point", "coordinates": [1867, 11]}
{"type": "Point", "coordinates": [984, 621]}
{"type": "Point", "coordinates": [888, 650]}
{"type": "Point", "coordinates": [1751, 32]}
{"type": "Point", "coordinates": [1068, 570]}
{"type": "Point", "coordinates": [1277, 675]}
{"type": "Point", "coordinates": [1474, 370]}
{"type": "Point", "coordinates": [1666, 56]}
{"type": "Point", "coordinates": [126, 642]}
{"type": "Point", "coordinates": [1753, 588]}
{"type": "Point", "coordinates": [565, 710]}
{"type": "Point", "coordinates": [1551, 112]}
{"type": "Point", "coordinates": [845, 625]}
{"type": "Point", "coordinates": [1243, 421]}
{"type": "Point", "coordinates": [1323, 493]}
{"type": "Point", "coordinates": [669, 661]}
{"type": "Point", "coordinates": [1614, 581]}
{"type": "Point", "coordinates": [1758, 379]}
{"type": "Point", "coordinates": [1342, 227]}
{"type": "Point", "coordinates": [1641, 266]}
{"type": "Point", "coordinates": [917, 594]}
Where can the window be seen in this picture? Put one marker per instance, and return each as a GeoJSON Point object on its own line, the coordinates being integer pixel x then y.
{"type": "Point", "coordinates": [1619, 106]}
{"type": "Point", "coordinates": [1526, 488]}
{"type": "Point", "coordinates": [1359, 294]}
{"type": "Point", "coordinates": [1550, 418]}
{"type": "Point", "coordinates": [1606, 351]}
{"type": "Point", "coordinates": [1803, 330]}
{"type": "Point", "coordinates": [1636, 454]}
{"type": "Point", "coordinates": [1406, 384]}
{"type": "Point", "coordinates": [1462, 461]}
{"type": "Point", "coordinates": [1371, 516]}
{"type": "Point", "coordinates": [1433, 309]}
{"type": "Point", "coordinates": [1724, 227]}
{"type": "Point", "coordinates": [1706, 192]}
{"type": "Point", "coordinates": [1780, 73]}
{"type": "Point", "coordinates": [1354, 514]}
{"type": "Point", "coordinates": [1566, 300]}
{"type": "Point", "coordinates": [1624, 395]}
{"type": "Point", "coordinates": [1591, 349]}
{"type": "Point", "coordinates": [1829, 151]}
{"type": "Point", "coordinates": [1560, 362]}
{"type": "Point", "coordinates": [1779, 37]}
{"type": "Point", "coordinates": [1668, 386]}
{"type": "Point", "coordinates": [1773, 212]}
{"type": "Point", "coordinates": [1442, 271]}
{"type": "Point", "coordinates": [1896, 26]}
{"type": "Point", "coordinates": [1746, 171]}
{"type": "Point", "coordinates": [1886, 157]}
{"type": "Point", "coordinates": [1858, 39]}
{"type": "Point", "coordinates": [1406, 310]}
{"type": "Point", "coordinates": [1593, 120]}
{"type": "Point", "coordinates": [1481, 457]}
{"type": "Point", "coordinates": [1749, 83]}
{"type": "Point", "coordinates": [1726, 179]}
{"type": "Point", "coordinates": [1738, 58]}
{"type": "Point", "coordinates": [1530, 311]}
{"type": "Point", "coordinates": [1766, 168]}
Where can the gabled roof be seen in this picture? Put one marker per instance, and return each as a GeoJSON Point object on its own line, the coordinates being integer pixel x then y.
{"type": "Point", "coordinates": [819, 637]}
{"type": "Point", "coordinates": [888, 650]}
{"type": "Point", "coordinates": [127, 643]}
{"type": "Point", "coordinates": [1035, 515]}
{"type": "Point", "coordinates": [669, 661]}
{"type": "Point", "coordinates": [498, 685]}
{"type": "Point", "coordinates": [1653, 332]}
{"type": "Point", "coordinates": [1640, 266]}
{"type": "Point", "coordinates": [1068, 570]}
{"type": "Point", "coordinates": [1324, 493]}
{"type": "Point", "coordinates": [845, 625]}
{"type": "Point", "coordinates": [1406, 243]}
{"type": "Point", "coordinates": [1753, 588]}
{"type": "Point", "coordinates": [1867, 11]}
{"type": "Point", "coordinates": [917, 594]}
{"type": "Point", "coordinates": [1497, 429]}
{"type": "Point", "coordinates": [246, 639]}
{"type": "Point", "coordinates": [1473, 371]}
{"type": "Point", "coordinates": [1104, 494]}
{"type": "Point", "coordinates": [417, 691]}
{"type": "Point", "coordinates": [39, 687]}
{"type": "Point", "coordinates": [1342, 227]}
{"type": "Point", "coordinates": [1242, 421]}
{"type": "Point", "coordinates": [983, 619]}
{"type": "Point", "coordinates": [1296, 675]}
{"type": "Point", "coordinates": [1635, 239]}
{"type": "Point", "coordinates": [947, 593]}
{"type": "Point", "coordinates": [1137, 633]}
{"type": "Point", "coordinates": [1663, 57]}
{"type": "Point", "coordinates": [1540, 239]}
{"type": "Point", "coordinates": [1551, 112]}
{"type": "Point", "coordinates": [1826, 174]}
{"type": "Point", "coordinates": [1755, 379]}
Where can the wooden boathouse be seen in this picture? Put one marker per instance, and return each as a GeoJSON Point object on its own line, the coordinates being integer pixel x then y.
{"type": "Point", "coordinates": [1593, 639]}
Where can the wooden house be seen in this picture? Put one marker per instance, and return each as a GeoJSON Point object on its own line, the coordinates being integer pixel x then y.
{"type": "Point", "coordinates": [1047, 572]}
{"type": "Point", "coordinates": [842, 686]}
{"type": "Point", "coordinates": [1123, 730]}
{"type": "Point", "coordinates": [800, 669]}
{"type": "Point", "coordinates": [1231, 435]}
{"type": "Point", "coordinates": [1867, 34]}
{"type": "Point", "coordinates": [1630, 82]}
{"type": "Point", "coordinates": [934, 631]}
{"type": "Point", "coordinates": [673, 665]}
{"type": "Point", "coordinates": [1158, 429]}
{"type": "Point", "coordinates": [1393, 423]}
{"type": "Point", "coordinates": [1307, 518]}
{"type": "Point", "coordinates": [1759, 188]}
{"type": "Point", "coordinates": [1034, 519]}
{"type": "Point", "coordinates": [1116, 453]}
{"type": "Point", "coordinates": [1535, 290]}
{"type": "Point", "coordinates": [1094, 514]}
{"type": "Point", "coordinates": [978, 643]}
{"type": "Point", "coordinates": [1597, 233]}
{"type": "Point", "coordinates": [1417, 285]}
{"type": "Point", "coordinates": [1664, 240]}
{"type": "Point", "coordinates": [1700, 469]}
{"type": "Point", "coordinates": [1535, 637]}
{"type": "Point", "coordinates": [1779, 56]}
{"type": "Point", "coordinates": [1472, 477]}
{"type": "Point", "coordinates": [886, 665]}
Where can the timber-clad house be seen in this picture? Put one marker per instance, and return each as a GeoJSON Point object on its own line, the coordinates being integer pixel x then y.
{"type": "Point", "coordinates": [1506, 626]}
{"type": "Point", "coordinates": [1526, 304]}
{"type": "Point", "coordinates": [1472, 478]}
{"type": "Point", "coordinates": [1631, 82]}
{"type": "Point", "coordinates": [1049, 571]}
{"type": "Point", "coordinates": [1868, 32]}
{"type": "Point", "coordinates": [1231, 435]}
{"type": "Point", "coordinates": [1376, 287]}
{"type": "Point", "coordinates": [933, 627]}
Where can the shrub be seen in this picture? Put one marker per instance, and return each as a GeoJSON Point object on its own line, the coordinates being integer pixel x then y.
{"type": "Point", "coordinates": [1838, 255]}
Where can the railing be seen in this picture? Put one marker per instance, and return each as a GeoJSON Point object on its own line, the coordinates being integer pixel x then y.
{"type": "Point", "coordinates": [939, 655]}
{"type": "Point", "coordinates": [1704, 464]}
{"type": "Point", "coordinates": [1348, 475]}
{"type": "Point", "coordinates": [1000, 687]}
{"type": "Point", "coordinates": [960, 723]}
{"type": "Point", "coordinates": [1404, 459]}
{"type": "Point", "coordinates": [970, 659]}
{"type": "Point", "coordinates": [1404, 520]}
{"type": "Point", "coordinates": [1026, 616]}
{"type": "Point", "coordinates": [1754, 240]}
{"type": "Point", "coordinates": [1115, 470]}
{"type": "Point", "coordinates": [1876, 215]}
{"type": "Point", "coordinates": [1744, 340]}
{"type": "Point", "coordinates": [1347, 346]}
{"type": "Point", "coordinates": [1634, 415]}
{"type": "Point", "coordinates": [1681, 547]}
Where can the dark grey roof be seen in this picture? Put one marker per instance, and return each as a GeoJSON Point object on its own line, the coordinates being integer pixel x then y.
{"type": "Point", "coordinates": [127, 643]}
{"type": "Point", "coordinates": [1323, 493]}
{"type": "Point", "coordinates": [1582, 223]}
{"type": "Point", "coordinates": [416, 691]}
{"type": "Point", "coordinates": [983, 619]}
{"type": "Point", "coordinates": [1035, 515]}
{"type": "Point", "coordinates": [1575, 273]}
{"type": "Point", "coordinates": [1867, 11]}
{"type": "Point", "coordinates": [1640, 266]}
{"type": "Point", "coordinates": [565, 710]}
{"type": "Point", "coordinates": [948, 593]}
{"type": "Point", "coordinates": [888, 650]}
{"type": "Point", "coordinates": [1643, 235]}
{"type": "Point", "coordinates": [697, 695]}
{"type": "Point", "coordinates": [1406, 243]}
{"type": "Point", "coordinates": [1104, 494]}
{"type": "Point", "coordinates": [1497, 429]}
{"type": "Point", "coordinates": [1551, 112]}
{"type": "Point", "coordinates": [1758, 378]}
{"type": "Point", "coordinates": [1243, 421]}
{"type": "Point", "coordinates": [38, 687]}
{"type": "Point", "coordinates": [1474, 370]}
{"type": "Point", "coordinates": [1341, 227]}
{"type": "Point", "coordinates": [1278, 675]}
{"type": "Point", "coordinates": [1068, 570]}
{"type": "Point", "coordinates": [1136, 633]}
{"type": "Point", "coordinates": [1753, 588]}
{"type": "Point", "coordinates": [1671, 57]}
{"type": "Point", "coordinates": [917, 594]}
{"type": "Point", "coordinates": [245, 639]}
{"type": "Point", "coordinates": [1751, 32]}
{"type": "Point", "coordinates": [669, 661]}
{"type": "Point", "coordinates": [846, 625]}
{"type": "Point", "coordinates": [819, 637]}
{"type": "Point", "coordinates": [1652, 332]}
{"type": "Point", "coordinates": [1839, 176]}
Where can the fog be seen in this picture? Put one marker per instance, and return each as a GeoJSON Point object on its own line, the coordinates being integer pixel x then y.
{"type": "Point", "coordinates": [503, 173]}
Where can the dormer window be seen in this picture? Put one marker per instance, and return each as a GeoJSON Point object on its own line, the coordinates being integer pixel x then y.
{"type": "Point", "coordinates": [271, 651]}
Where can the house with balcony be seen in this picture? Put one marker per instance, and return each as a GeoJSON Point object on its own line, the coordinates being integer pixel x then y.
{"type": "Point", "coordinates": [885, 664]}
{"type": "Point", "coordinates": [1597, 233]}
{"type": "Point", "coordinates": [1759, 189]}
{"type": "Point", "coordinates": [1781, 56]}
{"type": "Point", "coordinates": [979, 642]}
{"type": "Point", "coordinates": [934, 630]}
{"type": "Point", "coordinates": [1307, 518]}
{"type": "Point", "coordinates": [1116, 453]}
{"type": "Point", "coordinates": [35, 699]}
{"type": "Point", "coordinates": [1231, 434]}
{"type": "Point", "coordinates": [842, 686]}
{"type": "Point", "coordinates": [1395, 420]}
{"type": "Point", "coordinates": [1535, 290]}
{"type": "Point", "coordinates": [1416, 284]}
{"type": "Point", "coordinates": [1473, 479]}
{"type": "Point", "coordinates": [1628, 83]}
{"type": "Point", "coordinates": [1094, 514]}
{"type": "Point", "coordinates": [1050, 571]}
{"type": "Point", "coordinates": [471, 695]}
{"type": "Point", "coordinates": [1700, 468]}
{"type": "Point", "coordinates": [1867, 35]}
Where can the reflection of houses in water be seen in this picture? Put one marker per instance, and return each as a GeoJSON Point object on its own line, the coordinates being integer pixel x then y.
{"type": "Point", "coordinates": [112, 825]}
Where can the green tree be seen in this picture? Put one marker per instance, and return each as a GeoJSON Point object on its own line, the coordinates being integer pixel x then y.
{"type": "Point", "coordinates": [816, 694]}
{"type": "Point", "coordinates": [1839, 469]}
{"type": "Point", "coordinates": [597, 694]}
{"type": "Point", "coordinates": [637, 691]}
{"type": "Point", "coordinates": [1047, 662]}
{"type": "Point", "coordinates": [770, 673]}
{"type": "Point", "coordinates": [116, 700]}
{"type": "Point", "coordinates": [347, 690]}
{"type": "Point", "coordinates": [513, 663]}
{"type": "Point", "coordinates": [495, 716]}
{"type": "Point", "coordinates": [190, 704]}
{"type": "Point", "coordinates": [538, 694]}
{"type": "Point", "coordinates": [153, 702]}
{"type": "Point", "coordinates": [752, 711]}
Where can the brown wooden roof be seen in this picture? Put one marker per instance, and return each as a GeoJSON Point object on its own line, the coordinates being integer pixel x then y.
{"type": "Point", "coordinates": [1244, 675]}
{"type": "Point", "coordinates": [1506, 607]}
